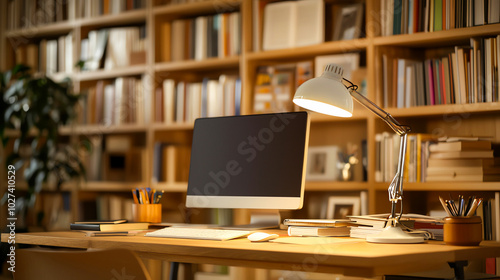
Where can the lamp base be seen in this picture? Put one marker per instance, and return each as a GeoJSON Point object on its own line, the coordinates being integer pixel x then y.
{"type": "Point", "coordinates": [393, 235]}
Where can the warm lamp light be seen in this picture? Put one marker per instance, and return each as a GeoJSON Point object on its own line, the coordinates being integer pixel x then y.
{"type": "Point", "coordinates": [328, 95]}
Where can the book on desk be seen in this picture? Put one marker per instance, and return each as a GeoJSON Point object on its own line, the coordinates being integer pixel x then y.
{"type": "Point", "coordinates": [108, 226]}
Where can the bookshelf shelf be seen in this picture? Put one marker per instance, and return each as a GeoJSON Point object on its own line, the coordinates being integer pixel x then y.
{"type": "Point", "coordinates": [308, 51]}
{"type": "Point", "coordinates": [101, 74]}
{"type": "Point", "coordinates": [47, 187]}
{"type": "Point", "coordinates": [127, 17]}
{"type": "Point", "coordinates": [438, 38]}
{"type": "Point", "coordinates": [198, 65]}
{"type": "Point", "coordinates": [360, 114]}
{"type": "Point", "coordinates": [450, 109]}
{"type": "Point", "coordinates": [104, 186]}
{"type": "Point", "coordinates": [444, 186]}
{"type": "Point", "coordinates": [192, 9]}
{"type": "Point", "coordinates": [336, 186]}
{"type": "Point", "coordinates": [102, 129]}
{"type": "Point", "coordinates": [172, 127]}
{"type": "Point", "coordinates": [57, 28]}
{"type": "Point", "coordinates": [171, 187]}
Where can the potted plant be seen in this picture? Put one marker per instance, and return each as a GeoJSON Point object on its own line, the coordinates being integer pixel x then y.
{"type": "Point", "coordinates": [36, 107]}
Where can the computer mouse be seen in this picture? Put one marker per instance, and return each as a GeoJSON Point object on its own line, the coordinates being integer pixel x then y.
{"type": "Point", "coordinates": [261, 236]}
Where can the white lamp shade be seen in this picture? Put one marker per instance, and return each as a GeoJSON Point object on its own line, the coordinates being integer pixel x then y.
{"type": "Point", "coordinates": [325, 94]}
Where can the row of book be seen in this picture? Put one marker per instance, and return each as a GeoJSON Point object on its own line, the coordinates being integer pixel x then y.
{"type": "Point", "coordinates": [428, 159]}
{"type": "Point", "coordinates": [88, 9]}
{"type": "Point", "coordinates": [116, 102]}
{"type": "Point", "coordinates": [31, 13]}
{"type": "Point", "coordinates": [178, 102]}
{"type": "Point", "coordinates": [113, 48]}
{"type": "Point", "coordinates": [48, 56]}
{"type": "Point", "coordinates": [408, 17]}
{"type": "Point", "coordinates": [387, 147]}
{"type": "Point", "coordinates": [466, 75]}
{"type": "Point", "coordinates": [275, 85]}
{"type": "Point", "coordinates": [202, 37]}
{"type": "Point", "coordinates": [171, 162]}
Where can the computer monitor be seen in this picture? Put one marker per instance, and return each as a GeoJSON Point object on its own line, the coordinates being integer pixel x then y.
{"type": "Point", "coordinates": [249, 162]}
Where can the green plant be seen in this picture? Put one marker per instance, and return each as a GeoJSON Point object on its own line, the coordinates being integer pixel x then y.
{"type": "Point", "coordinates": [36, 107]}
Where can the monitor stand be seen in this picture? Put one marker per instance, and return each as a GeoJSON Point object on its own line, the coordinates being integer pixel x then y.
{"type": "Point", "coordinates": [260, 219]}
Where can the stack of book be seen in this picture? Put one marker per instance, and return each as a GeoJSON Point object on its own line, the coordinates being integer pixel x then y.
{"type": "Point", "coordinates": [108, 227]}
{"type": "Point", "coordinates": [462, 159]}
{"type": "Point", "coordinates": [364, 225]}
{"type": "Point", "coordinates": [320, 227]}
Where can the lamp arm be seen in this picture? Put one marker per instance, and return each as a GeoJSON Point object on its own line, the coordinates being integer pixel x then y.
{"type": "Point", "coordinates": [386, 117]}
{"type": "Point", "coordinates": [396, 187]}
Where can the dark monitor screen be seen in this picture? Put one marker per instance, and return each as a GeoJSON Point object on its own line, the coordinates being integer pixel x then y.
{"type": "Point", "coordinates": [252, 161]}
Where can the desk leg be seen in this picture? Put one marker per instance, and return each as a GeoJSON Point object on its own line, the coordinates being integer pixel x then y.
{"type": "Point", "coordinates": [458, 267]}
{"type": "Point", "coordinates": [174, 270]}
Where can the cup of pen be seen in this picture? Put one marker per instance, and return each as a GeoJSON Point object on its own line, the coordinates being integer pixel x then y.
{"type": "Point", "coordinates": [147, 213]}
{"type": "Point", "coordinates": [462, 231]}
{"type": "Point", "coordinates": [147, 206]}
{"type": "Point", "coordinates": [462, 228]}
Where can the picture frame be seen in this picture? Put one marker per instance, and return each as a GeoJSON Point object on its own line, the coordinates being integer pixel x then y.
{"type": "Point", "coordinates": [322, 163]}
{"type": "Point", "coordinates": [340, 207]}
{"type": "Point", "coordinates": [347, 21]}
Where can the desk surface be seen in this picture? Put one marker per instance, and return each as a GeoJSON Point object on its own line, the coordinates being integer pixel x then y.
{"type": "Point", "coordinates": [357, 259]}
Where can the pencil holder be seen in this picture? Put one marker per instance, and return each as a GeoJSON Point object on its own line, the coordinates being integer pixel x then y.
{"type": "Point", "coordinates": [462, 231]}
{"type": "Point", "coordinates": [150, 213]}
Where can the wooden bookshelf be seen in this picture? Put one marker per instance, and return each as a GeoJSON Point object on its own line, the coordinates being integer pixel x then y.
{"type": "Point", "coordinates": [325, 130]}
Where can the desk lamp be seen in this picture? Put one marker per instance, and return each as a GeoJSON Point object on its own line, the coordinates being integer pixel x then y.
{"type": "Point", "coordinates": [328, 95]}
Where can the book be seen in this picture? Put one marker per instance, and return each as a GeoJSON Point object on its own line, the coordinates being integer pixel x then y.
{"type": "Point", "coordinates": [318, 231]}
{"type": "Point", "coordinates": [113, 233]}
{"type": "Point", "coordinates": [483, 162]}
{"type": "Point", "coordinates": [464, 177]}
{"type": "Point", "coordinates": [461, 146]}
{"type": "Point", "coordinates": [317, 222]}
{"type": "Point", "coordinates": [380, 220]}
{"type": "Point", "coordinates": [94, 222]}
{"type": "Point", "coordinates": [109, 227]}
{"type": "Point", "coordinates": [462, 154]}
{"type": "Point", "coordinates": [462, 170]}
{"type": "Point", "coordinates": [293, 23]}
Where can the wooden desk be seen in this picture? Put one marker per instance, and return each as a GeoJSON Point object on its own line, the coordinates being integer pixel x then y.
{"type": "Point", "coordinates": [355, 259]}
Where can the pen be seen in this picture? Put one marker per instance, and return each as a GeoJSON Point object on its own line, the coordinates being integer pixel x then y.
{"type": "Point", "coordinates": [469, 204]}
{"type": "Point", "coordinates": [134, 195]}
{"type": "Point", "coordinates": [443, 203]}
{"type": "Point", "coordinates": [460, 205]}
